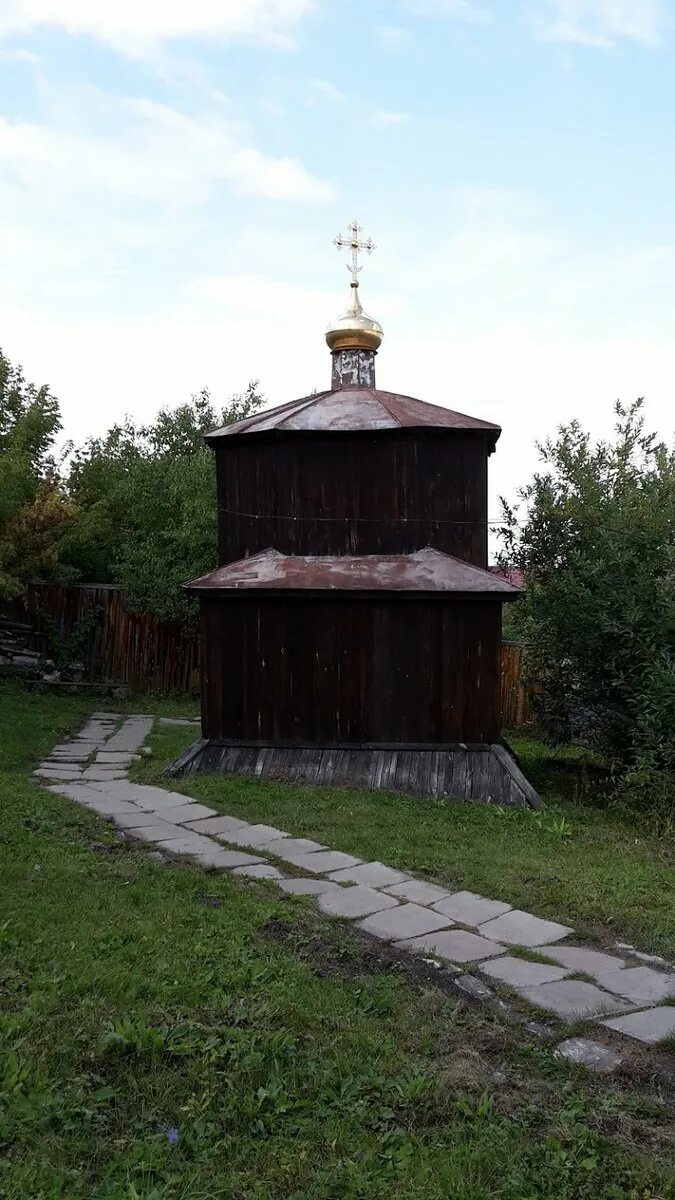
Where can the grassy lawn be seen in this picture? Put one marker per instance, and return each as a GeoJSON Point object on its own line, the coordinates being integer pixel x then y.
{"type": "Point", "coordinates": [576, 862]}
{"type": "Point", "coordinates": [172, 1034]}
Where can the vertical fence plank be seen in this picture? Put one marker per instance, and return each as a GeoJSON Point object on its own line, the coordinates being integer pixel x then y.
{"type": "Point", "coordinates": [516, 701]}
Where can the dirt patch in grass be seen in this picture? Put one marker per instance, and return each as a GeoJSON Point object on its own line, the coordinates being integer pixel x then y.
{"type": "Point", "coordinates": [352, 958]}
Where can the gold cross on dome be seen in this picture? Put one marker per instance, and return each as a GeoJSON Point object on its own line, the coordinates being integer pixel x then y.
{"type": "Point", "coordinates": [352, 242]}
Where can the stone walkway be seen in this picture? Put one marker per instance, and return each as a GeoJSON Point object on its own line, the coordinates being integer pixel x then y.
{"type": "Point", "coordinates": [535, 958]}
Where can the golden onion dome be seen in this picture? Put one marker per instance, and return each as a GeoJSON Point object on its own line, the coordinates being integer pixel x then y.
{"type": "Point", "coordinates": [354, 330]}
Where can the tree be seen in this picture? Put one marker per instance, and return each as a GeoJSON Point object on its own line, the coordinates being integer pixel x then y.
{"type": "Point", "coordinates": [146, 499]}
{"type": "Point", "coordinates": [597, 545]}
{"type": "Point", "coordinates": [33, 506]}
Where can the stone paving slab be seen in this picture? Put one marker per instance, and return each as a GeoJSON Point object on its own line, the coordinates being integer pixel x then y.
{"type": "Point", "coordinates": [150, 798]}
{"type": "Point", "coordinates": [69, 760]}
{"type": "Point", "coordinates": [518, 973]}
{"type": "Point", "coordinates": [109, 757]}
{"type": "Point", "coordinates": [471, 909]}
{"type": "Point", "coordinates": [283, 847]}
{"type": "Point", "coordinates": [216, 825]}
{"type": "Point", "coordinates": [108, 807]}
{"type": "Point", "coordinates": [581, 958]}
{"type": "Point", "coordinates": [651, 1025]}
{"type": "Point", "coordinates": [456, 945]}
{"type": "Point", "coordinates": [572, 998]}
{"type": "Point", "coordinates": [418, 891]}
{"type": "Point", "coordinates": [655, 959]}
{"type": "Point", "coordinates": [474, 987]}
{"type": "Point", "coordinates": [156, 831]}
{"type": "Point", "coordinates": [216, 856]}
{"type": "Point", "coordinates": [52, 764]}
{"type": "Point", "coordinates": [135, 818]}
{"type": "Point", "coordinates": [586, 1053]}
{"type": "Point", "coordinates": [253, 835]}
{"type": "Point", "coordinates": [308, 887]}
{"type": "Point", "coordinates": [57, 773]}
{"type": "Point", "coordinates": [74, 791]}
{"type": "Point", "coordinates": [103, 774]}
{"type": "Point", "coordinates": [73, 748]}
{"type": "Point", "coordinates": [406, 921]}
{"type": "Point", "coordinates": [184, 812]}
{"type": "Point", "coordinates": [233, 858]}
{"type": "Point", "coordinates": [131, 736]}
{"type": "Point", "coordinates": [640, 985]}
{"type": "Point", "coordinates": [187, 843]}
{"type": "Point", "coordinates": [353, 902]}
{"type": "Point", "coordinates": [375, 874]}
{"type": "Point", "coordinates": [67, 755]}
{"type": "Point", "coordinates": [518, 928]}
{"type": "Point", "coordinates": [259, 871]}
{"type": "Point", "coordinates": [322, 861]}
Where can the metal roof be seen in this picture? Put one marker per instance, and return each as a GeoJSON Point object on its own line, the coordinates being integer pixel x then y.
{"type": "Point", "coordinates": [351, 409]}
{"type": "Point", "coordinates": [426, 570]}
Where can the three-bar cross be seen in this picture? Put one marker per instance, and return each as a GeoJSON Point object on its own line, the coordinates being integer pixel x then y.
{"type": "Point", "coordinates": [353, 243]}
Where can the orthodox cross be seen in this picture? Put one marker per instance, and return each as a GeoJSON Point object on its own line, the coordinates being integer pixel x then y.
{"type": "Point", "coordinates": [353, 243]}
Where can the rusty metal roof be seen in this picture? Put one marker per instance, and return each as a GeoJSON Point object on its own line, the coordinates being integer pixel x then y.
{"type": "Point", "coordinates": [351, 409]}
{"type": "Point", "coordinates": [426, 570]}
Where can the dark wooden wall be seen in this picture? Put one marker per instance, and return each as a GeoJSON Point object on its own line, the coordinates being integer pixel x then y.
{"type": "Point", "coordinates": [290, 484]}
{"type": "Point", "coordinates": [297, 670]}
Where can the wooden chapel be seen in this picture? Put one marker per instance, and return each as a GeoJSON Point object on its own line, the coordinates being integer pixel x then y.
{"type": "Point", "coordinates": [351, 632]}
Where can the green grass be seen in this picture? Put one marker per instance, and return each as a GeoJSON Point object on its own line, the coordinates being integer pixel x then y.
{"type": "Point", "coordinates": [294, 1062]}
{"type": "Point", "coordinates": [576, 861]}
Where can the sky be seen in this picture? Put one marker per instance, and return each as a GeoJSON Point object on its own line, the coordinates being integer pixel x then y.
{"type": "Point", "coordinates": [172, 175]}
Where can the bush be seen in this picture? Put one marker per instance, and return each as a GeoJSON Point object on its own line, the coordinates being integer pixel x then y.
{"type": "Point", "coordinates": [597, 545]}
{"type": "Point", "coordinates": [33, 505]}
{"type": "Point", "coordinates": [146, 505]}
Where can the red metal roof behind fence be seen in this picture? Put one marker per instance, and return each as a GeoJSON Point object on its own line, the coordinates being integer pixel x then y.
{"type": "Point", "coordinates": [512, 575]}
{"type": "Point", "coordinates": [350, 409]}
{"type": "Point", "coordinates": [426, 570]}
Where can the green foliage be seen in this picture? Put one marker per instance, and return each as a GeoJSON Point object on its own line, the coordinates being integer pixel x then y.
{"type": "Point", "coordinates": [597, 544]}
{"type": "Point", "coordinates": [146, 500]}
{"type": "Point", "coordinates": [33, 507]}
{"type": "Point", "coordinates": [136, 507]}
{"type": "Point", "coordinates": [75, 646]}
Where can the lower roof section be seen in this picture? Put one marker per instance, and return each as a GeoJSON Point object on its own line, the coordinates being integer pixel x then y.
{"type": "Point", "coordinates": [426, 570]}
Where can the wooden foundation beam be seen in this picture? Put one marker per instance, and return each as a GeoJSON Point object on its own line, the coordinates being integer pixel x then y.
{"type": "Point", "coordinates": [485, 774]}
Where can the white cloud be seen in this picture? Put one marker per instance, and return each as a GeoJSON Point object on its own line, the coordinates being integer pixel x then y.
{"type": "Point", "coordinates": [391, 37]}
{"type": "Point", "coordinates": [384, 118]}
{"type": "Point", "coordinates": [142, 26]}
{"type": "Point", "coordinates": [326, 88]}
{"type": "Point", "coordinates": [603, 22]}
{"type": "Point", "coordinates": [263, 296]}
{"type": "Point", "coordinates": [456, 10]}
{"type": "Point", "coordinates": [19, 55]}
{"type": "Point", "coordinates": [154, 153]}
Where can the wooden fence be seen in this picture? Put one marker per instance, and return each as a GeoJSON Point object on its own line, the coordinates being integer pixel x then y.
{"type": "Point", "coordinates": [113, 643]}
{"type": "Point", "coordinates": [148, 654]}
{"type": "Point", "coordinates": [516, 699]}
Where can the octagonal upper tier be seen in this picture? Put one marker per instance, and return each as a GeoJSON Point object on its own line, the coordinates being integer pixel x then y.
{"type": "Point", "coordinates": [351, 409]}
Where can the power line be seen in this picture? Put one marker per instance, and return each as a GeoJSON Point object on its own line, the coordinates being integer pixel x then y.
{"type": "Point", "coordinates": [492, 523]}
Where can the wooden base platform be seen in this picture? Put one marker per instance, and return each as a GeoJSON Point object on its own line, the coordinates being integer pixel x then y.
{"type": "Point", "coordinates": [484, 774]}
